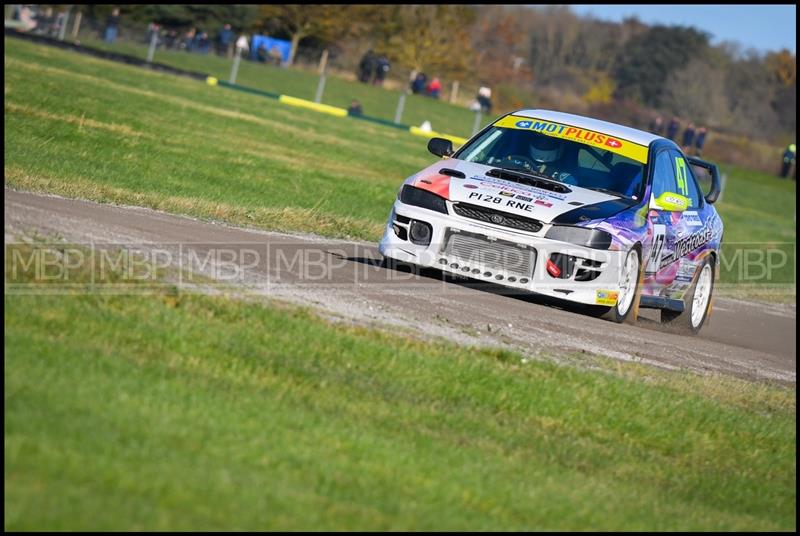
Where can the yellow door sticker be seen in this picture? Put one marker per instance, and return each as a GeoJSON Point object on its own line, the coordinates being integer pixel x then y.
{"type": "Point", "coordinates": [626, 148]}
{"type": "Point", "coordinates": [606, 297]}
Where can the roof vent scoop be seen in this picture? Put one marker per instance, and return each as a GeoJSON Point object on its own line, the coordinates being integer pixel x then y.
{"type": "Point", "coordinates": [530, 178]}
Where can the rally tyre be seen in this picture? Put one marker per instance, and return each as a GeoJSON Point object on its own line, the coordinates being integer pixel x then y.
{"type": "Point", "coordinates": [697, 303]}
{"type": "Point", "coordinates": [630, 288]}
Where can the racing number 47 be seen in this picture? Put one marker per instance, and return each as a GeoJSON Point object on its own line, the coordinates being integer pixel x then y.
{"type": "Point", "coordinates": [653, 261]}
{"type": "Point", "coordinates": [680, 176]}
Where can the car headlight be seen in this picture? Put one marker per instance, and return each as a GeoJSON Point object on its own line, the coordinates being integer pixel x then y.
{"type": "Point", "coordinates": [411, 195]}
{"type": "Point", "coordinates": [581, 236]}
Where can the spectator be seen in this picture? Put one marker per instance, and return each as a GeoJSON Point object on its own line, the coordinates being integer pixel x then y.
{"type": "Point", "coordinates": [152, 29]}
{"type": "Point", "coordinates": [112, 26]}
{"type": "Point", "coordinates": [366, 67]}
{"type": "Point", "coordinates": [204, 43]}
{"type": "Point", "coordinates": [262, 54]}
{"type": "Point", "coordinates": [657, 125]}
{"type": "Point", "coordinates": [44, 22]}
{"type": "Point", "coordinates": [419, 83]}
{"type": "Point", "coordinates": [788, 160]}
{"type": "Point", "coordinates": [434, 88]}
{"type": "Point", "coordinates": [59, 22]}
{"type": "Point", "coordinates": [197, 41]}
{"type": "Point", "coordinates": [688, 138]}
{"type": "Point", "coordinates": [171, 39]}
{"type": "Point", "coordinates": [672, 128]}
{"type": "Point", "coordinates": [188, 39]}
{"type": "Point", "coordinates": [381, 70]}
{"type": "Point", "coordinates": [485, 99]}
{"type": "Point", "coordinates": [224, 39]}
{"type": "Point", "coordinates": [700, 141]}
{"type": "Point", "coordinates": [28, 18]}
{"type": "Point", "coordinates": [355, 108]}
{"type": "Point", "coordinates": [242, 44]}
{"type": "Point", "coordinates": [275, 55]}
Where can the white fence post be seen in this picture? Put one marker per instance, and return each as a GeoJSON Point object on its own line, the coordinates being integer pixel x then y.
{"type": "Point", "coordinates": [401, 103]}
{"type": "Point", "coordinates": [152, 50]}
{"type": "Point", "coordinates": [235, 69]}
{"type": "Point", "coordinates": [454, 92]}
{"type": "Point", "coordinates": [76, 26]}
{"type": "Point", "coordinates": [62, 31]}
{"type": "Point", "coordinates": [477, 124]}
{"type": "Point", "coordinates": [323, 64]}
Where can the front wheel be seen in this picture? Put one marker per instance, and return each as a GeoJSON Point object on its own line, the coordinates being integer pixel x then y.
{"type": "Point", "coordinates": [697, 303]}
{"type": "Point", "coordinates": [626, 308]}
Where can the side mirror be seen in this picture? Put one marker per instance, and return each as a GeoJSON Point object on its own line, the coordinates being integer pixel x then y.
{"type": "Point", "coordinates": [670, 201]}
{"type": "Point", "coordinates": [713, 171]}
{"type": "Point", "coordinates": [440, 147]}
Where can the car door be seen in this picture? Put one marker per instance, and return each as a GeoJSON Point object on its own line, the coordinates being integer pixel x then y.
{"type": "Point", "coordinates": [678, 203]}
{"type": "Point", "coordinates": [686, 231]}
{"type": "Point", "coordinates": [664, 181]}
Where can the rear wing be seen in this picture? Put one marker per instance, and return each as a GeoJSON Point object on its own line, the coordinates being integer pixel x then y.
{"type": "Point", "coordinates": [713, 171]}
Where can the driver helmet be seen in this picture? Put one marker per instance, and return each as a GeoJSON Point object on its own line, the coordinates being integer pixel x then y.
{"type": "Point", "coordinates": [545, 149]}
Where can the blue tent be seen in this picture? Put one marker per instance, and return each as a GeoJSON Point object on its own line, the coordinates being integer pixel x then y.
{"type": "Point", "coordinates": [268, 42]}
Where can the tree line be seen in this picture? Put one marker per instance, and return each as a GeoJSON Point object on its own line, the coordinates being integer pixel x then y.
{"type": "Point", "coordinates": [545, 56]}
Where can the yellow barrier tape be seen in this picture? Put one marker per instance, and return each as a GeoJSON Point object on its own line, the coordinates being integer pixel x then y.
{"type": "Point", "coordinates": [626, 148]}
{"type": "Point", "coordinates": [302, 103]}
{"type": "Point", "coordinates": [430, 134]}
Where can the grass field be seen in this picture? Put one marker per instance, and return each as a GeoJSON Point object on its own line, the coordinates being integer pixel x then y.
{"type": "Point", "coordinates": [176, 411]}
{"type": "Point", "coordinates": [376, 101]}
{"type": "Point", "coordinates": [83, 127]}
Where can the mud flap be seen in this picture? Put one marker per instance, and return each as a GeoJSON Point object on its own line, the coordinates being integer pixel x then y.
{"type": "Point", "coordinates": [634, 314]}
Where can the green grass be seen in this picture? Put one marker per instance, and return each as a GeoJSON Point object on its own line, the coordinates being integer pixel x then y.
{"type": "Point", "coordinates": [376, 101]}
{"type": "Point", "coordinates": [186, 412]}
{"type": "Point", "coordinates": [84, 127]}
{"type": "Point", "coordinates": [759, 213]}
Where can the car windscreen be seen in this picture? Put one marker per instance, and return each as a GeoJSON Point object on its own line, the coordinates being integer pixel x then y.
{"type": "Point", "coordinates": [586, 165]}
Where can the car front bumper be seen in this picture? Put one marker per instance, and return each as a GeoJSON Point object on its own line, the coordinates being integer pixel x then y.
{"type": "Point", "coordinates": [504, 256]}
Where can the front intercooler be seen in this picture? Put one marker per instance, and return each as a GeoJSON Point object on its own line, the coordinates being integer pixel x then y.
{"type": "Point", "coordinates": [477, 251]}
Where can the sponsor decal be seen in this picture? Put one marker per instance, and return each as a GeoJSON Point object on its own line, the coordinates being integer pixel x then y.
{"type": "Point", "coordinates": [686, 271]}
{"type": "Point", "coordinates": [677, 290]}
{"type": "Point", "coordinates": [686, 245]}
{"type": "Point", "coordinates": [543, 203]}
{"type": "Point", "coordinates": [500, 184]}
{"type": "Point", "coordinates": [606, 297]}
{"type": "Point", "coordinates": [675, 200]}
{"type": "Point", "coordinates": [523, 198]}
{"type": "Point", "coordinates": [507, 194]}
{"type": "Point", "coordinates": [692, 219]}
{"type": "Point", "coordinates": [471, 186]}
{"type": "Point", "coordinates": [607, 142]}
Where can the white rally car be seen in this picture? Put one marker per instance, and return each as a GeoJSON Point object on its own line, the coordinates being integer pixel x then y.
{"type": "Point", "coordinates": [570, 207]}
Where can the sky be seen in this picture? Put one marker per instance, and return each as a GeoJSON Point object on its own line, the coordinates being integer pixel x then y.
{"type": "Point", "coordinates": [763, 27]}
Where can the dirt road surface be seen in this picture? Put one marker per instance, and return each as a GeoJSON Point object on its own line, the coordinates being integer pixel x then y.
{"type": "Point", "coordinates": [345, 280]}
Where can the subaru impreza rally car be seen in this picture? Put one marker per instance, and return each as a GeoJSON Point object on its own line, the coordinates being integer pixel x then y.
{"type": "Point", "coordinates": [570, 207]}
